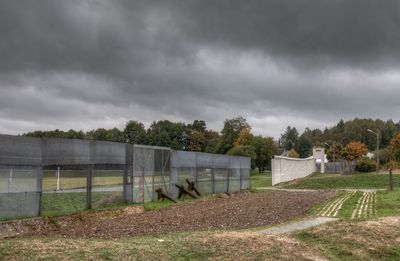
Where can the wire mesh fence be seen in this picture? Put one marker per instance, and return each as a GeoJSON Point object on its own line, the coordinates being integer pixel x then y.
{"type": "Point", "coordinates": [212, 173]}
{"type": "Point", "coordinates": [335, 167]}
{"type": "Point", "coordinates": [19, 191]}
{"type": "Point", "coordinates": [59, 176]}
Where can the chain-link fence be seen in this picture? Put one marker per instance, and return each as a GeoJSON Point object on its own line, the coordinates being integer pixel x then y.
{"type": "Point", "coordinates": [62, 176]}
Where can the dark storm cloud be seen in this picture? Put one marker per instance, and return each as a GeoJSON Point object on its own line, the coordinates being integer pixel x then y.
{"type": "Point", "coordinates": [88, 64]}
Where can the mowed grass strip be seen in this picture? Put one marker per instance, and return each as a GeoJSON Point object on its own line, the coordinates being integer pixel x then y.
{"type": "Point", "coordinates": [348, 207]}
{"type": "Point", "coordinates": [321, 208]}
{"type": "Point", "coordinates": [349, 240]}
{"type": "Point", "coordinates": [332, 209]}
{"type": "Point", "coordinates": [337, 181]}
{"type": "Point", "coordinates": [388, 203]}
{"type": "Point", "coordinates": [366, 205]}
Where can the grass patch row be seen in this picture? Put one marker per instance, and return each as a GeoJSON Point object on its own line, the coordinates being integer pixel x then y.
{"type": "Point", "coordinates": [387, 204]}
{"type": "Point", "coordinates": [337, 181]}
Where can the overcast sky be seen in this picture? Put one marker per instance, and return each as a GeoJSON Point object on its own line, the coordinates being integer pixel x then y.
{"type": "Point", "coordinates": [89, 64]}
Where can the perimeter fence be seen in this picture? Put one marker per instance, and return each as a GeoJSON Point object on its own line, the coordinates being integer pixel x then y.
{"type": "Point", "coordinates": [62, 176]}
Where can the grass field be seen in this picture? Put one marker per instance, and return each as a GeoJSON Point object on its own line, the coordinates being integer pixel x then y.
{"type": "Point", "coordinates": [375, 239]}
{"type": "Point", "coordinates": [56, 204]}
{"type": "Point", "coordinates": [259, 180]}
{"type": "Point", "coordinates": [337, 181]}
{"type": "Point", "coordinates": [387, 203]}
{"type": "Point", "coordinates": [345, 240]}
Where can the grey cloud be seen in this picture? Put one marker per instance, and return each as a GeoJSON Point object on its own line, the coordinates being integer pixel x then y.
{"type": "Point", "coordinates": [357, 32]}
{"type": "Point", "coordinates": [89, 64]}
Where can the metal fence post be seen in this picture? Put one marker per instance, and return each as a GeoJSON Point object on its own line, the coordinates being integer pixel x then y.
{"type": "Point", "coordinates": [39, 182]}
{"type": "Point", "coordinates": [39, 177]}
{"type": "Point", "coordinates": [126, 173]}
{"type": "Point", "coordinates": [213, 175]}
{"type": "Point", "coordinates": [227, 181]}
{"type": "Point", "coordinates": [153, 172]}
{"type": "Point", "coordinates": [249, 178]}
{"type": "Point", "coordinates": [89, 186]}
{"type": "Point", "coordinates": [196, 178]}
{"type": "Point", "coordinates": [240, 178]}
{"type": "Point", "coordinates": [89, 177]}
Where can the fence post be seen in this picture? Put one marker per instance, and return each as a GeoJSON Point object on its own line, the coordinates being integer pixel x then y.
{"type": "Point", "coordinates": [89, 187]}
{"type": "Point", "coordinates": [213, 180]}
{"type": "Point", "coordinates": [39, 181]}
{"type": "Point", "coordinates": [89, 177]}
{"type": "Point", "coordinates": [152, 178]}
{"type": "Point", "coordinates": [227, 180]}
{"type": "Point", "coordinates": [126, 173]}
{"type": "Point", "coordinates": [196, 178]}
{"type": "Point", "coordinates": [39, 177]}
{"type": "Point", "coordinates": [240, 178]}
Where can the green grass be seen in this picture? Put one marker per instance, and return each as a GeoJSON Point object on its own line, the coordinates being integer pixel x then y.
{"type": "Point", "coordinates": [388, 203]}
{"type": "Point", "coordinates": [347, 240]}
{"type": "Point", "coordinates": [259, 180]}
{"type": "Point", "coordinates": [349, 205]}
{"type": "Point", "coordinates": [56, 204]}
{"type": "Point", "coordinates": [315, 210]}
{"type": "Point", "coordinates": [337, 181]}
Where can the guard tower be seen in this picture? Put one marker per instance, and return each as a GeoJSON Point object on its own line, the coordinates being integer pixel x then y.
{"type": "Point", "coordinates": [319, 155]}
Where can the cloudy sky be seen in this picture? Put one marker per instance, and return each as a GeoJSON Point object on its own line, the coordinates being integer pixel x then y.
{"type": "Point", "coordinates": [86, 64]}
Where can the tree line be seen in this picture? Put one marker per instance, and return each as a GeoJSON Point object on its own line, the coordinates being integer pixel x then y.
{"type": "Point", "coordinates": [236, 137]}
{"type": "Point", "coordinates": [340, 135]}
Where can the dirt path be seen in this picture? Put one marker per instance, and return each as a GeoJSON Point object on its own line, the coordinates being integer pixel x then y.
{"type": "Point", "coordinates": [298, 225]}
{"type": "Point", "coordinates": [243, 210]}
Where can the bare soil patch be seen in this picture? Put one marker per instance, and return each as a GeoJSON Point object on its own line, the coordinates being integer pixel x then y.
{"type": "Point", "coordinates": [242, 210]}
{"type": "Point", "coordinates": [38, 225]}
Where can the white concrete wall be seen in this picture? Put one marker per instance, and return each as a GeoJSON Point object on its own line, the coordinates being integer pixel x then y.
{"type": "Point", "coordinates": [286, 169]}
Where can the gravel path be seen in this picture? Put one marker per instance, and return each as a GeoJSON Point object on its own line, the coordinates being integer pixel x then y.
{"type": "Point", "coordinates": [298, 225]}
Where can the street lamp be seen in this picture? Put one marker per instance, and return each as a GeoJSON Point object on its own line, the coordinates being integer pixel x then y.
{"type": "Point", "coordinates": [377, 148]}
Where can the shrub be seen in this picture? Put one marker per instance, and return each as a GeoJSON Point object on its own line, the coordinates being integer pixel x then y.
{"type": "Point", "coordinates": [293, 154]}
{"type": "Point", "coordinates": [366, 165]}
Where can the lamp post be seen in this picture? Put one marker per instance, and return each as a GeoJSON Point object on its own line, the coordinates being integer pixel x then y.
{"type": "Point", "coordinates": [377, 148]}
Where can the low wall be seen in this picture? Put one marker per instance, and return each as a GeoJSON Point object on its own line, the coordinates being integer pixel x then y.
{"type": "Point", "coordinates": [286, 169]}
